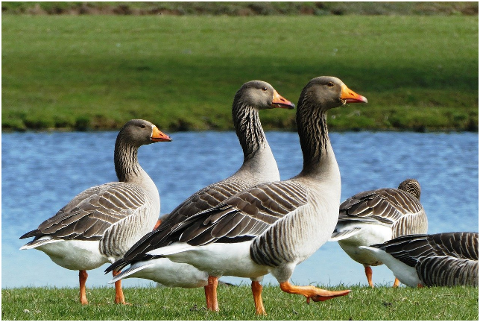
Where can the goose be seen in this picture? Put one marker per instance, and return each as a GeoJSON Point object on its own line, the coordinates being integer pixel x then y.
{"type": "Point", "coordinates": [101, 223]}
{"type": "Point", "coordinates": [444, 259]}
{"type": "Point", "coordinates": [375, 216]}
{"type": "Point", "coordinates": [258, 166]}
{"type": "Point", "coordinates": [271, 227]}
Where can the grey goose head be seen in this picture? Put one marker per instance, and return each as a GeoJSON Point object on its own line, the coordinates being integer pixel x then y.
{"type": "Point", "coordinates": [249, 99]}
{"type": "Point", "coordinates": [260, 95]}
{"type": "Point", "coordinates": [326, 92]}
{"type": "Point", "coordinates": [139, 132]}
{"type": "Point", "coordinates": [131, 136]}
{"type": "Point", "coordinates": [317, 97]}
{"type": "Point", "coordinates": [411, 186]}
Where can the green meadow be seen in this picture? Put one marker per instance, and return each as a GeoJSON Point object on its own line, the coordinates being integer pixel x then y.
{"type": "Point", "coordinates": [236, 303]}
{"type": "Point", "coordinates": [89, 72]}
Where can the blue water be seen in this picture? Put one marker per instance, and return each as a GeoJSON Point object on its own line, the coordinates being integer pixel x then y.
{"type": "Point", "coordinates": [41, 172]}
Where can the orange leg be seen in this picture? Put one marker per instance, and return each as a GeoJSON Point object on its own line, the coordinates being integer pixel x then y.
{"type": "Point", "coordinates": [208, 292]}
{"type": "Point", "coordinates": [396, 283]}
{"type": "Point", "coordinates": [82, 276]}
{"type": "Point", "coordinates": [311, 292]}
{"type": "Point", "coordinates": [157, 224]}
{"type": "Point", "coordinates": [211, 293]}
{"type": "Point", "coordinates": [368, 273]}
{"type": "Point", "coordinates": [119, 298]}
{"type": "Point", "coordinates": [420, 285]}
{"type": "Point", "coordinates": [257, 297]}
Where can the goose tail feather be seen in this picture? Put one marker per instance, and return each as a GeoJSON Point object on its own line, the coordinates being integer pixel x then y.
{"type": "Point", "coordinates": [344, 234]}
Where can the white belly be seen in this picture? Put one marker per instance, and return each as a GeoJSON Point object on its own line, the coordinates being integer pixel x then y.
{"type": "Point", "coordinates": [222, 260]}
{"type": "Point", "coordinates": [74, 254]}
{"type": "Point", "coordinates": [168, 273]}
{"type": "Point", "coordinates": [368, 235]}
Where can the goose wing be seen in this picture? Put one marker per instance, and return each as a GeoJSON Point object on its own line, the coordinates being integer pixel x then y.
{"type": "Point", "coordinates": [447, 271]}
{"type": "Point", "coordinates": [203, 199]}
{"type": "Point", "coordinates": [411, 248]}
{"type": "Point", "coordinates": [244, 216]}
{"type": "Point", "coordinates": [92, 212]}
{"type": "Point", "coordinates": [385, 206]}
{"type": "Point", "coordinates": [241, 217]}
{"type": "Point", "coordinates": [444, 259]}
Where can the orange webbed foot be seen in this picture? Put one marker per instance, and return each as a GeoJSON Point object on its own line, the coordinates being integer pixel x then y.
{"type": "Point", "coordinates": [326, 295]}
{"type": "Point", "coordinates": [311, 292]}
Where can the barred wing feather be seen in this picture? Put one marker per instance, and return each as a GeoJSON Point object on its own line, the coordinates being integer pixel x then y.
{"type": "Point", "coordinates": [443, 259]}
{"type": "Point", "coordinates": [384, 205]}
{"type": "Point", "coordinates": [244, 216]}
{"type": "Point", "coordinates": [205, 198]}
{"type": "Point", "coordinates": [92, 212]}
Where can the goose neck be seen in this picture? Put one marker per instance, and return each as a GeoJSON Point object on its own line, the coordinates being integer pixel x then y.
{"type": "Point", "coordinates": [317, 151]}
{"type": "Point", "coordinates": [128, 170]}
{"type": "Point", "coordinates": [127, 167]}
{"type": "Point", "coordinates": [249, 130]}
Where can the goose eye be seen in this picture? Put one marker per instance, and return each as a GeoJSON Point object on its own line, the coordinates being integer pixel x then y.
{"type": "Point", "coordinates": [264, 89]}
{"type": "Point", "coordinates": [142, 126]}
{"type": "Point", "coordinates": [330, 84]}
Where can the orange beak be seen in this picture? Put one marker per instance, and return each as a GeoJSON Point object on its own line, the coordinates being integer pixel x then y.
{"type": "Point", "coordinates": [280, 102]}
{"type": "Point", "coordinates": [349, 96]}
{"type": "Point", "coordinates": [159, 136]}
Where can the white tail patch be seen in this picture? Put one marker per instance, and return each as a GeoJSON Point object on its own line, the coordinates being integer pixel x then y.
{"type": "Point", "coordinates": [171, 249]}
{"type": "Point", "coordinates": [344, 234]}
{"type": "Point", "coordinates": [39, 242]}
{"type": "Point", "coordinates": [132, 270]}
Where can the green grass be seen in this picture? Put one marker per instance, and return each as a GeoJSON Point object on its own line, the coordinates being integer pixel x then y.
{"type": "Point", "coordinates": [236, 303]}
{"type": "Point", "coordinates": [181, 72]}
{"type": "Point", "coordinates": [243, 8]}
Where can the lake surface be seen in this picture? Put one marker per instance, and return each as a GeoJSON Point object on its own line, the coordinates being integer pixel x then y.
{"type": "Point", "coordinates": [41, 172]}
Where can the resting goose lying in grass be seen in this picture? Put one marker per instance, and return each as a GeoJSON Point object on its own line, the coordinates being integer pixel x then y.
{"type": "Point", "coordinates": [445, 259]}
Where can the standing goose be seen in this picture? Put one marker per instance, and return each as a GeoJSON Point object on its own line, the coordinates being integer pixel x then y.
{"type": "Point", "coordinates": [271, 227]}
{"type": "Point", "coordinates": [258, 166]}
{"type": "Point", "coordinates": [445, 259]}
{"type": "Point", "coordinates": [375, 216]}
{"type": "Point", "coordinates": [101, 223]}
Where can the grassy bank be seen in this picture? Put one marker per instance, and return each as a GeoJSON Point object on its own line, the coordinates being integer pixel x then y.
{"type": "Point", "coordinates": [242, 8]}
{"type": "Point", "coordinates": [236, 303]}
{"type": "Point", "coordinates": [181, 72]}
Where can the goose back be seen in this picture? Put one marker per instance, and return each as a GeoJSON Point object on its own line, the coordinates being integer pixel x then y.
{"type": "Point", "coordinates": [398, 209]}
